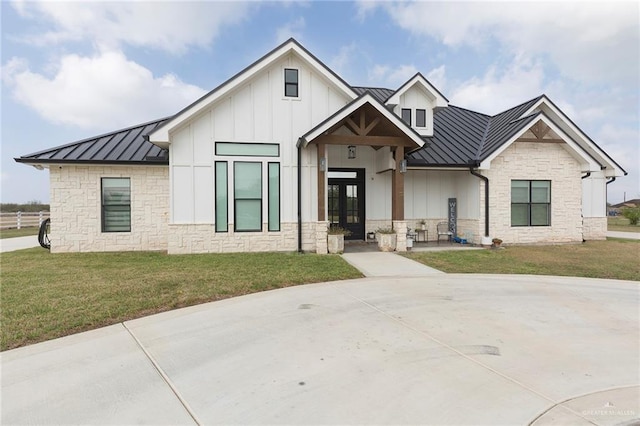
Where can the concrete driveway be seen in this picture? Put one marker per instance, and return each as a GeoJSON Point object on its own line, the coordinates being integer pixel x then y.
{"type": "Point", "coordinates": [442, 349]}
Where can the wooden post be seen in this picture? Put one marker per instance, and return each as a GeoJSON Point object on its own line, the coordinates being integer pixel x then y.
{"type": "Point", "coordinates": [321, 184]}
{"type": "Point", "coordinates": [397, 187]}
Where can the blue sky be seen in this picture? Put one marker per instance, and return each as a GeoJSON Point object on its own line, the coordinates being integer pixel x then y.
{"type": "Point", "coordinates": [72, 70]}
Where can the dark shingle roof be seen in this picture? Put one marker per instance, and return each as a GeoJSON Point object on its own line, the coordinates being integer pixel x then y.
{"type": "Point", "coordinates": [126, 146]}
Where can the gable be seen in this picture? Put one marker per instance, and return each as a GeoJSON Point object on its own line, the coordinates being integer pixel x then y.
{"type": "Point", "coordinates": [289, 52]}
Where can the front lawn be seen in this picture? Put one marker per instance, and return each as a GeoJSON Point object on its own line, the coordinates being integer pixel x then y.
{"type": "Point", "coordinates": [617, 259]}
{"type": "Point", "coordinates": [44, 296]}
{"type": "Point", "coordinates": [22, 232]}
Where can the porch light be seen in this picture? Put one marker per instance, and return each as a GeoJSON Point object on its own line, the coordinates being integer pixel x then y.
{"type": "Point", "coordinates": [403, 166]}
{"type": "Point", "coordinates": [352, 152]}
{"type": "Point", "coordinates": [323, 164]}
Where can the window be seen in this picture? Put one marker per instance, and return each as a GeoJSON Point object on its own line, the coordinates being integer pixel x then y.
{"type": "Point", "coordinates": [274, 197]}
{"type": "Point", "coordinates": [248, 149]}
{"type": "Point", "coordinates": [530, 203]}
{"type": "Point", "coordinates": [291, 82]}
{"type": "Point", "coordinates": [406, 115]}
{"type": "Point", "coordinates": [248, 196]}
{"type": "Point", "coordinates": [116, 205]}
{"type": "Point", "coordinates": [421, 118]}
{"type": "Point", "coordinates": [222, 197]}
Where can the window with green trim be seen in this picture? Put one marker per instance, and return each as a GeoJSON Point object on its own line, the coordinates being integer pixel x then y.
{"type": "Point", "coordinates": [116, 204]}
{"type": "Point", "coordinates": [530, 203]}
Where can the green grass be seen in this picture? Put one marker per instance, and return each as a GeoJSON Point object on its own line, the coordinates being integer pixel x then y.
{"type": "Point", "coordinates": [620, 223]}
{"type": "Point", "coordinates": [616, 259]}
{"type": "Point", "coordinates": [44, 296]}
{"type": "Point", "coordinates": [22, 232]}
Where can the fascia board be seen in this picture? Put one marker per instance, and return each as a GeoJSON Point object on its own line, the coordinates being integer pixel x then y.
{"type": "Point", "coordinates": [440, 100]}
{"type": "Point", "coordinates": [349, 109]}
{"type": "Point", "coordinates": [589, 164]}
{"type": "Point", "coordinates": [587, 144]}
{"type": "Point", "coordinates": [161, 135]}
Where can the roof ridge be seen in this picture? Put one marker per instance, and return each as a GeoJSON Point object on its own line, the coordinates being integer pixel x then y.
{"type": "Point", "coordinates": [537, 98]}
{"type": "Point", "coordinates": [470, 110]}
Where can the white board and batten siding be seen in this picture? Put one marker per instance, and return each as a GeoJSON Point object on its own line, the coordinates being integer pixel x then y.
{"type": "Point", "coordinates": [256, 112]}
{"type": "Point", "coordinates": [594, 195]}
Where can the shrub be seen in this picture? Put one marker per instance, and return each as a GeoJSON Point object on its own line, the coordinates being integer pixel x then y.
{"type": "Point", "coordinates": [633, 214]}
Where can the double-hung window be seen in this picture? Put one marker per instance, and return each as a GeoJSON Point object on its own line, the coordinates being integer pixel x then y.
{"type": "Point", "coordinates": [116, 205]}
{"type": "Point", "coordinates": [421, 118]}
{"type": "Point", "coordinates": [406, 115]}
{"type": "Point", "coordinates": [530, 203]}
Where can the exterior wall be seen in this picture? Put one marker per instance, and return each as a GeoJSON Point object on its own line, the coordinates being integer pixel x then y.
{"type": "Point", "coordinates": [76, 209]}
{"type": "Point", "coordinates": [594, 228]}
{"type": "Point", "coordinates": [255, 112]}
{"type": "Point", "coordinates": [202, 238]}
{"type": "Point", "coordinates": [536, 161]}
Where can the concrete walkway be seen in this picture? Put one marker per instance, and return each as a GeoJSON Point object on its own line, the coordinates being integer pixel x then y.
{"type": "Point", "coordinates": [18, 243]}
{"type": "Point", "coordinates": [627, 235]}
{"type": "Point", "coordinates": [384, 264]}
{"type": "Point", "coordinates": [441, 349]}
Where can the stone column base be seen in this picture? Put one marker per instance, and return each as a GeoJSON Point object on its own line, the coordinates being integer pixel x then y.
{"type": "Point", "coordinates": [322, 229]}
{"type": "Point", "coordinates": [400, 226]}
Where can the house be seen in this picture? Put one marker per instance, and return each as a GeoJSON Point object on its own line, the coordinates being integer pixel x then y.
{"type": "Point", "coordinates": [271, 157]}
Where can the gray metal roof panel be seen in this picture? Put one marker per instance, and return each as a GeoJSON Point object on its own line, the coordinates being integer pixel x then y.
{"type": "Point", "coordinates": [120, 147]}
{"type": "Point", "coordinates": [379, 93]}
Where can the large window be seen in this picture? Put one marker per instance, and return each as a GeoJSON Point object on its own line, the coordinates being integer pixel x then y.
{"type": "Point", "coordinates": [291, 82]}
{"type": "Point", "coordinates": [248, 196]}
{"type": "Point", "coordinates": [530, 203]}
{"type": "Point", "coordinates": [116, 205]}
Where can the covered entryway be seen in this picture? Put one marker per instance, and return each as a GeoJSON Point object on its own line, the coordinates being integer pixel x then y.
{"type": "Point", "coordinates": [345, 201]}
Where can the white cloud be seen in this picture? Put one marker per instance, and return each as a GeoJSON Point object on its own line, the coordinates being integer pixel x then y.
{"type": "Point", "coordinates": [438, 77]}
{"type": "Point", "coordinates": [105, 91]}
{"type": "Point", "coordinates": [291, 29]}
{"type": "Point", "coordinates": [170, 26]}
{"type": "Point", "coordinates": [391, 77]}
{"type": "Point", "coordinates": [586, 41]}
{"type": "Point", "coordinates": [342, 61]}
{"type": "Point", "coordinates": [501, 87]}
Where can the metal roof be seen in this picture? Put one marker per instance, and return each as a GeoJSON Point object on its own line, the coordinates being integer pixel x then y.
{"type": "Point", "coordinates": [462, 137]}
{"type": "Point", "coordinates": [379, 93]}
{"type": "Point", "coordinates": [125, 146]}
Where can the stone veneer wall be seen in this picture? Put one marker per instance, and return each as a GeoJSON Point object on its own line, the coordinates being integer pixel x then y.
{"type": "Point", "coordinates": [594, 228]}
{"type": "Point", "coordinates": [536, 161]}
{"type": "Point", "coordinates": [76, 208]}
{"type": "Point", "coordinates": [202, 238]}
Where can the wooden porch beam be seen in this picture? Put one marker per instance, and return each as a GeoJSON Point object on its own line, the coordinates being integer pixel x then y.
{"type": "Point", "coordinates": [353, 126]}
{"type": "Point", "coordinates": [397, 187]}
{"type": "Point", "coordinates": [539, 140]}
{"type": "Point", "coordinates": [371, 125]}
{"type": "Point", "coordinates": [363, 140]}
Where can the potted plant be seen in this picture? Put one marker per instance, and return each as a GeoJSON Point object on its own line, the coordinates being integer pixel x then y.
{"type": "Point", "coordinates": [386, 239]}
{"type": "Point", "coordinates": [423, 224]}
{"type": "Point", "coordinates": [335, 239]}
{"type": "Point", "coordinates": [496, 242]}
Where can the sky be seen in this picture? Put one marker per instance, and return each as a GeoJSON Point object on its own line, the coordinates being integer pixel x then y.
{"type": "Point", "coordinates": [73, 70]}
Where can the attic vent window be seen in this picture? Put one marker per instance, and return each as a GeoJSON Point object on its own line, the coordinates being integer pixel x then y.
{"type": "Point", "coordinates": [406, 115]}
{"type": "Point", "coordinates": [421, 118]}
{"type": "Point", "coordinates": [291, 82]}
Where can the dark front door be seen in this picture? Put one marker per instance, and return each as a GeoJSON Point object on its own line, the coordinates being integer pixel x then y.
{"type": "Point", "coordinates": [345, 199]}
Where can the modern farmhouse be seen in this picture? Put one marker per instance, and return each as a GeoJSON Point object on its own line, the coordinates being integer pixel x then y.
{"type": "Point", "coordinates": [273, 156]}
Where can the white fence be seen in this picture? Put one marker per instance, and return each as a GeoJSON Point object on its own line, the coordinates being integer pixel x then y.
{"type": "Point", "coordinates": [22, 219]}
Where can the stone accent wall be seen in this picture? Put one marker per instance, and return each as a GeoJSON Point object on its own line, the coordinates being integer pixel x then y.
{"type": "Point", "coordinates": [536, 161]}
{"type": "Point", "coordinates": [76, 209]}
{"type": "Point", "coordinates": [594, 228]}
{"type": "Point", "coordinates": [203, 238]}
{"type": "Point", "coordinates": [400, 226]}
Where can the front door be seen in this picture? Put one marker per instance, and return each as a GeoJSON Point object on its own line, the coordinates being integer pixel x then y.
{"type": "Point", "coordinates": [345, 200]}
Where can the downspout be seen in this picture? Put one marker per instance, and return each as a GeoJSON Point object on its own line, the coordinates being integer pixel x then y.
{"type": "Point", "coordinates": [486, 197]}
{"type": "Point", "coordinates": [611, 181]}
{"type": "Point", "coordinates": [299, 196]}
{"type": "Point", "coordinates": [587, 175]}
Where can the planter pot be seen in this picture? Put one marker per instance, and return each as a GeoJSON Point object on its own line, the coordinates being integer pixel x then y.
{"type": "Point", "coordinates": [409, 243]}
{"type": "Point", "coordinates": [335, 243]}
{"type": "Point", "coordinates": [423, 227]}
{"type": "Point", "coordinates": [386, 242]}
